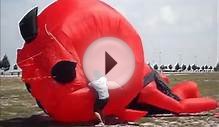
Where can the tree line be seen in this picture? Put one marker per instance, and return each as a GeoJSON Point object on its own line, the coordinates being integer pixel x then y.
{"type": "Point", "coordinates": [5, 64]}
{"type": "Point", "coordinates": [179, 68]}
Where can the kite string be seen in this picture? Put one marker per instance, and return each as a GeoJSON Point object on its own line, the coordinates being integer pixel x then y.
{"type": "Point", "coordinates": [59, 43]}
{"type": "Point", "coordinates": [31, 57]}
{"type": "Point", "coordinates": [38, 78]}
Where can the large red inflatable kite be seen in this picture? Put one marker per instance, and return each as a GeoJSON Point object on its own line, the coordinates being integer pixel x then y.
{"type": "Point", "coordinates": [52, 65]}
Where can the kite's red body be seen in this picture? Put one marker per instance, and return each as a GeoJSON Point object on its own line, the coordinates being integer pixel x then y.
{"type": "Point", "coordinates": [65, 30]}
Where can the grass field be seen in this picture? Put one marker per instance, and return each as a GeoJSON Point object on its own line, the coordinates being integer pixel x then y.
{"type": "Point", "coordinates": [18, 108]}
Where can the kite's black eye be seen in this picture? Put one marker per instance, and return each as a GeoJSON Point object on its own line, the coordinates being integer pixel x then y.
{"type": "Point", "coordinates": [64, 71]}
{"type": "Point", "coordinates": [28, 25]}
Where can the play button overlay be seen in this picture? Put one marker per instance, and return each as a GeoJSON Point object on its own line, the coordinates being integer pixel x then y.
{"type": "Point", "coordinates": [109, 57]}
{"type": "Point", "coordinates": [109, 63]}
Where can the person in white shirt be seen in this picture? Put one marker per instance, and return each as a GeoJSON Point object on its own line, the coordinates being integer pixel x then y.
{"type": "Point", "coordinates": [100, 86]}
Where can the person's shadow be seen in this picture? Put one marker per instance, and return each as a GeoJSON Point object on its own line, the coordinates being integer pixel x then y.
{"type": "Point", "coordinates": [46, 121]}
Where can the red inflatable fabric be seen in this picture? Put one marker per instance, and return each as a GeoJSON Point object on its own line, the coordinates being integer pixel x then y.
{"type": "Point", "coordinates": [65, 30]}
{"type": "Point", "coordinates": [187, 91]}
{"type": "Point", "coordinates": [150, 95]}
{"type": "Point", "coordinates": [59, 37]}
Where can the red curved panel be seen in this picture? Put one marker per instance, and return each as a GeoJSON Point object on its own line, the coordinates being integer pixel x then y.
{"type": "Point", "coordinates": [194, 105]}
{"type": "Point", "coordinates": [151, 95]}
{"type": "Point", "coordinates": [186, 89]}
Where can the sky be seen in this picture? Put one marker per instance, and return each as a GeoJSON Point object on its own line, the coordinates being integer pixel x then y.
{"type": "Point", "coordinates": [184, 31]}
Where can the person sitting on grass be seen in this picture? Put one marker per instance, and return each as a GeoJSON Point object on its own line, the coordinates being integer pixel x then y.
{"type": "Point", "coordinates": [101, 88]}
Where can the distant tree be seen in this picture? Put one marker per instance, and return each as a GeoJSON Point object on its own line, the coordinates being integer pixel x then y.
{"type": "Point", "coordinates": [165, 67]}
{"type": "Point", "coordinates": [162, 67]}
{"type": "Point", "coordinates": [203, 68]}
{"type": "Point", "coordinates": [206, 67]}
{"type": "Point", "coordinates": [170, 67]}
{"type": "Point", "coordinates": [183, 67]}
{"type": "Point", "coordinates": [155, 67]}
{"type": "Point", "coordinates": [189, 68]}
{"type": "Point", "coordinates": [216, 68]}
{"type": "Point", "coordinates": [0, 64]}
{"type": "Point", "coordinates": [15, 67]}
{"type": "Point", "coordinates": [197, 68]}
{"type": "Point", "coordinates": [177, 67]}
{"type": "Point", "coordinates": [5, 63]}
{"type": "Point", "coordinates": [194, 67]}
{"type": "Point", "coordinates": [210, 67]}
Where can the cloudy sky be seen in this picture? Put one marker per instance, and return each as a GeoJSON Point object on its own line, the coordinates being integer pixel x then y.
{"type": "Point", "coordinates": [172, 31]}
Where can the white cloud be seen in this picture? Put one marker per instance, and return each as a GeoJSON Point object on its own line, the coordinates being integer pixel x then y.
{"type": "Point", "coordinates": [152, 23]}
{"type": "Point", "coordinates": [167, 14]}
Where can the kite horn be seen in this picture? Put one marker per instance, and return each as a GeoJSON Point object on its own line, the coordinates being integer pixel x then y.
{"type": "Point", "coordinates": [28, 25]}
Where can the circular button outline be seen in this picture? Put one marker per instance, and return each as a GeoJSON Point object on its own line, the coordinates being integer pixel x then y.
{"type": "Point", "coordinates": [118, 50]}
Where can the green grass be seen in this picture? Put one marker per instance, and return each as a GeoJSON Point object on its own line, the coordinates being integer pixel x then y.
{"type": "Point", "coordinates": [15, 100]}
{"type": "Point", "coordinates": [18, 107]}
{"type": "Point", "coordinates": [208, 82]}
